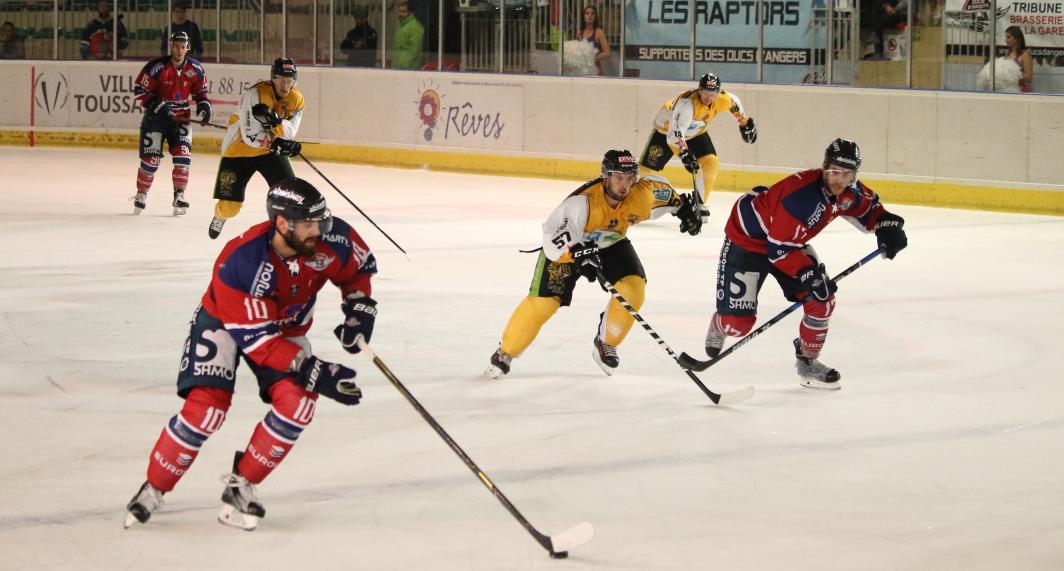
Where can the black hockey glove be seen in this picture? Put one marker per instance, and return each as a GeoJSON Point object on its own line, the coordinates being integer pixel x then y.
{"type": "Point", "coordinates": [331, 380]}
{"type": "Point", "coordinates": [890, 235]}
{"type": "Point", "coordinates": [692, 214]}
{"type": "Point", "coordinates": [286, 148]}
{"type": "Point", "coordinates": [266, 116]}
{"type": "Point", "coordinates": [816, 281]}
{"type": "Point", "coordinates": [748, 131]}
{"type": "Point", "coordinates": [361, 313]}
{"type": "Point", "coordinates": [161, 109]}
{"type": "Point", "coordinates": [586, 260]}
{"type": "Point", "coordinates": [690, 162]}
{"type": "Point", "coordinates": [203, 111]}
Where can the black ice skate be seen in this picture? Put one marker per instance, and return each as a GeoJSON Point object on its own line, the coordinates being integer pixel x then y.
{"type": "Point", "coordinates": [240, 506]}
{"type": "Point", "coordinates": [814, 374]}
{"type": "Point", "coordinates": [500, 364]}
{"type": "Point", "coordinates": [140, 202]}
{"type": "Point", "coordinates": [215, 228]}
{"type": "Point", "coordinates": [144, 502]}
{"type": "Point", "coordinates": [606, 356]}
{"type": "Point", "coordinates": [180, 204]}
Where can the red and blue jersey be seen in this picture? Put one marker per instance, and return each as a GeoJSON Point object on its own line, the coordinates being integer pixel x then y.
{"type": "Point", "coordinates": [262, 298]}
{"type": "Point", "coordinates": [780, 220]}
{"type": "Point", "coordinates": [160, 80]}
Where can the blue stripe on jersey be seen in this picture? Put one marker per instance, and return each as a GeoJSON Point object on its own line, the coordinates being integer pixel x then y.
{"type": "Point", "coordinates": [776, 251]}
{"type": "Point", "coordinates": [748, 216]}
{"type": "Point", "coordinates": [249, 336]}
{"type": "Point", "coordinates": [186, 434]}
{"type": "Point", "coordinates": [248, 269]}
{"type": "Point", "coordinates": [281, 426]}
{"type": "Point", "coordinates": [807, 204]}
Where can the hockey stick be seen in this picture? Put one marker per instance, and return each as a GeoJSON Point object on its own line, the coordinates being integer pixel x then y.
{"type": "Point", "coordinates": [557, 545]}
{"type": "Point", "coordinates": [688, 362]}
{"type": "Point", "coordinates": [726, 399]}
{"type": "Point", "coordinates": [364, 215]}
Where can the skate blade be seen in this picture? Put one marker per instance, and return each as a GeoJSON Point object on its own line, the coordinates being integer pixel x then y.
{"type": "Point", "coordinates": [130, 520]}
{"type": "Point", "coordinates": [235, 518]}
{"type": "Point", "coordinates": [605, 368]}
{"type": "Point", "coordinates": [180, 210]}
{"type": "Point", "coordinates": [493, 372]}
{"type": "Point", "coordinates": [820, 385]}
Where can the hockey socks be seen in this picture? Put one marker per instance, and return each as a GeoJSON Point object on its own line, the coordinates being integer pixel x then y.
{"type": "Point", "coordinates": [293, 409]}
{"type": "Point", "coordinates": [181, 438]}
{"type": "Point", "coordinates": [146, 173]}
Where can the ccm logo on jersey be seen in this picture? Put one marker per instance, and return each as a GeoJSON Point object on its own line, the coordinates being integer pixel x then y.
{"type": "Point", "coordinates": [263, 279]}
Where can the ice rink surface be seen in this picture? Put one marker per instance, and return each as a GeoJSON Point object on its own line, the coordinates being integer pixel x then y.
{"type": "Point", "coordinates": [943, 450]}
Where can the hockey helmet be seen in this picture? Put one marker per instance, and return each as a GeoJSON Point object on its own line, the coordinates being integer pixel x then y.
{"type": "Point", "coordinates": [296, 199]}
{"type": "Point", "coordinates": [844, 153]}
{"type": "Point", "coordinates": [179, 37]}
{"type": "Point", "coordinates": [283, 67]}
{"type": "Point", "coordinates": [619, 161]}
{"type": "Point", "coordinates": [709, 82]}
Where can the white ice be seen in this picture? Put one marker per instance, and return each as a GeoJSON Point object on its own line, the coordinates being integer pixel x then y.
{"type": "Point", "coordinates": [943, 450]}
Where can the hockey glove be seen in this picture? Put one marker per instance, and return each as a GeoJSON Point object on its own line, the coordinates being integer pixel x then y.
{"type": "Point", "coordinates": [815, 280]}
{"type": "Point", "coordinates": [266, 116]}
{"type": "Point", "coordinates": [286, 148]}
{"type": "Point", "coordinates": [690, 162]}
{"type": "Point", "coordinates": [203, 111]}
{"type": "Point", "coordinates": [161, 109]}
{"type": "Point", "coordinates": [361, 312]}
{"type": "Point", "coordinates": [748, 131]}
{"type": "Point", "coordinates": [331, 380]}
{"type": "Point", "coordinates": [890, 235]}
{"type": "Point", "coordinates": [692, 214]}
{"type": "Point", "coordinates": [586, 260]}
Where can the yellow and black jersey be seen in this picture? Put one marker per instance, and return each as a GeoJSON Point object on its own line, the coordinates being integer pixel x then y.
{"type": "Point", "coordinates": [686, 117]}
{"type": "Point", "coordinates": [247, 137]}
{"type": "Point", "coordinates": [586, 216]}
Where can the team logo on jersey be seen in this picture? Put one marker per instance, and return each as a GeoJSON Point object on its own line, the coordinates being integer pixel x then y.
{"type": "Point", "coordinates": [662, 194]}
{"type": "Point", "coordinates": [293, 266]}
{"type": "Point", "coordinates": [655, 152]}
{"type": "Point", "coordinates": [319, 262]}
{"type": "Point", "coordinates": [226, 180]}
{"type": "Point", "coordinates": [845, 203]}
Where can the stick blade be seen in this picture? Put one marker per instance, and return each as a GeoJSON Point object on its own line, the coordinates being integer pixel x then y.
{"type": "Point", "coordinates": [728, 399]}
{"type": "Point", "coordinates": [691, 364]}
{"type": "Point", "coordinates": [575, 536]}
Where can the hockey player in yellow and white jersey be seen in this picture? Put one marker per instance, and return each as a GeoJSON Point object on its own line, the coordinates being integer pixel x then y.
{"type": "Point", "coordinates": [585, 236]}
{"type": "Point", "coordinates": [680, 128]}
{"type": "Point", "coordinates": [260, 138]}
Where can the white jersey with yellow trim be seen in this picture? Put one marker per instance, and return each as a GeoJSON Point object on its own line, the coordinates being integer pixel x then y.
{"type": "Point", "coordinates": [686, 116]}
{"type": "Point", "coordinates": [586, 216]}
{"type": "Point", "coordinates": [246, 137]}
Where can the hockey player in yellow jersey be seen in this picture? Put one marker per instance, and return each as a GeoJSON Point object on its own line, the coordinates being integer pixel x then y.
{"type": "Point", "coordinates": [680, 128]}
{"type": "Point", "coordinates": [260, 138]}
{"type": "Point", "coordinates": [585, 237]}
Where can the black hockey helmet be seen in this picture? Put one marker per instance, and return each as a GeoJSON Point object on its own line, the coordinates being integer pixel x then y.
{"type": "Point", "coordinates": [283, 67]}
{"type": "Point", "coordinates": [296, 199]}
{"type": "Point", "coordinates": [178, 37]}
{"type": "Point", "coordinates": [619, 161]}
{"type": "Point", "coordinates": [843, 152]}
{"type": "Point", "coordinates": [709, 82]}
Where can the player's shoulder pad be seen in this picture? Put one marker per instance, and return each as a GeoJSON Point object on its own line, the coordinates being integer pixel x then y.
{"type": "Point", "coordinates": [346, 244]}
{"type": "Point", "coordinates": [296, 97]}
{"type": "Point", "coordinates": [156, 66]}
{"type": "Point", "coordinates": [656, 178]}
{"type": "Point", "coordinates": [247, 266]}
{"type": "Point", "coordinates": [584, 188]}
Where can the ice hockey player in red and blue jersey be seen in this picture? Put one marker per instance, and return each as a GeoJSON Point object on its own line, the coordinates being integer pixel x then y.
{"type": "Point", "coordinates": [768, 233]}
{"type": "Point", "coordinates": [164, 88]}
{"type": "Point", "coordinates": [259, 307]}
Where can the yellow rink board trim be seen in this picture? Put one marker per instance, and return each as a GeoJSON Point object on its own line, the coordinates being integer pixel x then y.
{"type": "Point", "coordinates": [937, 194]}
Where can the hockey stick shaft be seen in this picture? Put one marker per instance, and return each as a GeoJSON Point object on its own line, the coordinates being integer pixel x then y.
{"type": "Point", "coordinates": [690, 362]}
{"type": "Point", "coordinates": [716, 398]}
{"type": "Point", "coordinates": [349, 201]}
{"type": "Point", "coordinates": [544, 540]}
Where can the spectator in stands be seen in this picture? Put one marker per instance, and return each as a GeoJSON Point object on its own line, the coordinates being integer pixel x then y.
{"type": "Point", "coordinates": [591, 31]}
{"type": "Point", "coordinates": [360, 44]}
{"type": "Point", "coordinates": [879, 16]}
{"type": "Point", "coordinates": [409, 39]}
{"type": "Point", "coordinates": [11, 46]}
{"type": "Point", "coordinates": [97, 39]}
{"type": "Point", "coordinates": [181, 23]}
{"type": "Point", "coordinates": [1019, 53]}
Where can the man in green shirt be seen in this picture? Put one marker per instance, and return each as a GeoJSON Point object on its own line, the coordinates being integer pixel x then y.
{"type": "Point", "coordinates": [409, 39]}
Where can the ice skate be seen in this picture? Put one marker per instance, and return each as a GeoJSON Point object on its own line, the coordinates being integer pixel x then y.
{"type": "Point", "coordinates": [140, 202]}
{"type": "Point", "coordinates": [500, 364]}
{"type": "Point", "coordinates": [215, 228]}
{"type": "Point", "coordinates": [144, 502]}
{"type": "Point", "coordinates": [814, 374]}
{"type": "Point", "coordinates": [180, 204]}
{"type": "Point", "coordinates": [240, 506]}
{"type": "Point", "coordinates": [714, 339]}
{"type": "Point", "coordinates": [606, 356]}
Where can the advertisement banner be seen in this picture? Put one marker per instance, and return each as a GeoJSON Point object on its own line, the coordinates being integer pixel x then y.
{"type": "Point", "coordinates": [466, 112]}
{"type": "Point", "coordinates": [1040, 21]}
{"type": "Point", "coordinates": [658, 36]}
